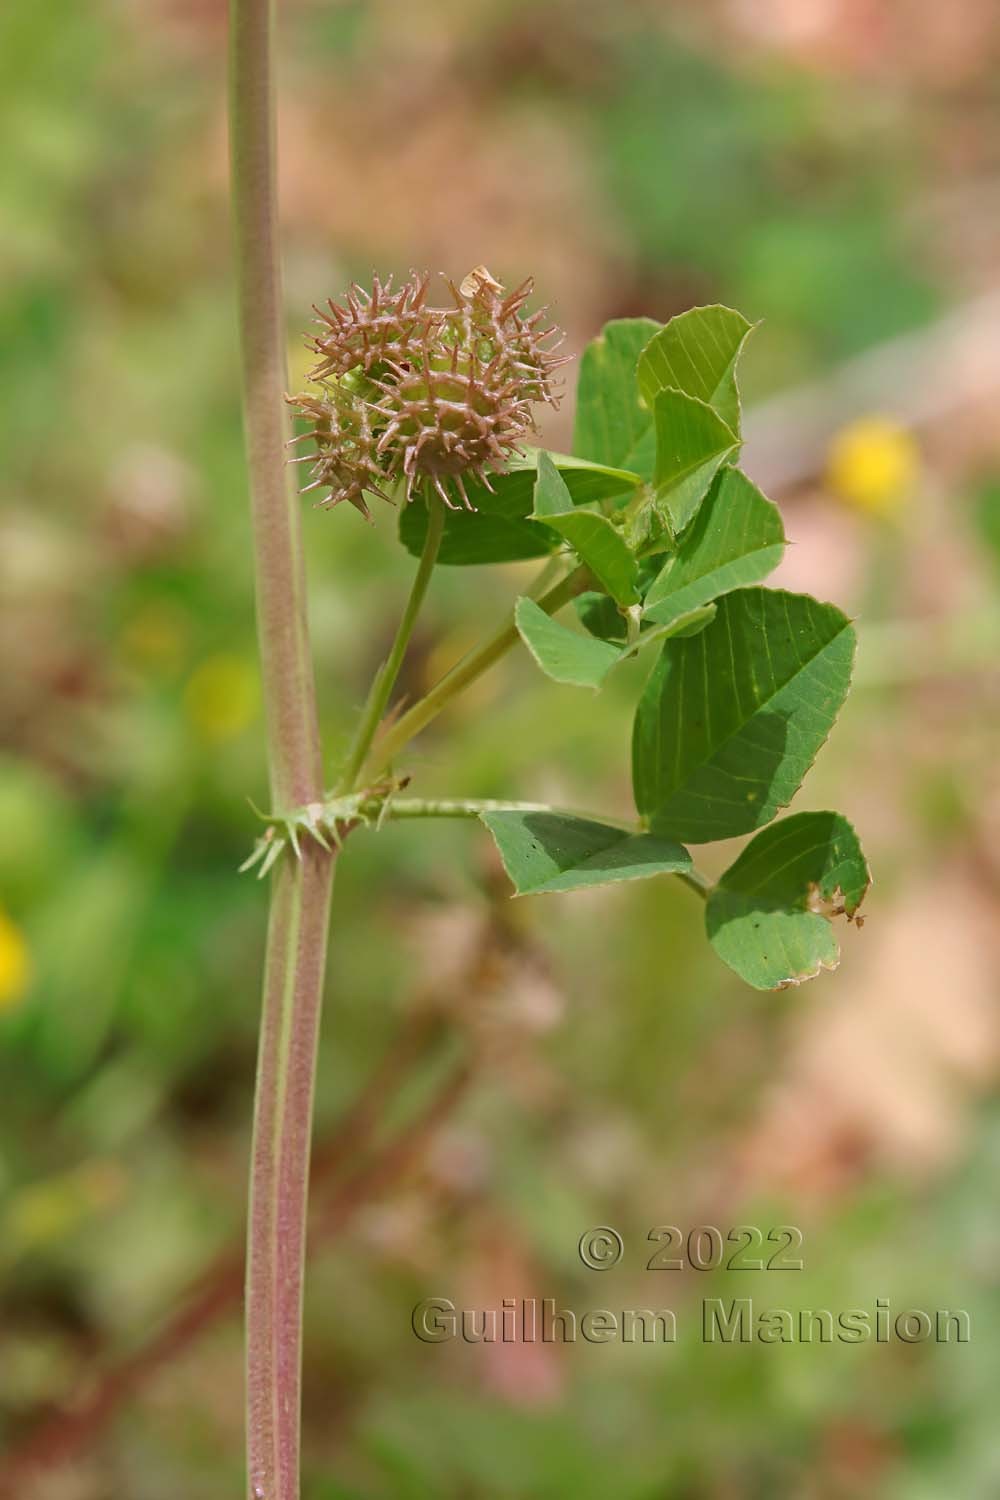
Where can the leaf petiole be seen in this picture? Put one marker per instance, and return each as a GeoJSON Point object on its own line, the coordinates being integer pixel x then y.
{"type": "Point", "coordinates": [472, 665]}
{"type": "Point", "coordinates": [385, 678]}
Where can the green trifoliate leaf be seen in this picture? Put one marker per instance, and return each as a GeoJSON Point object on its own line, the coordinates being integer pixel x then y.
{"type": "Point", "coordinates": [692, 444]}
{"type": "Point", "coordinates": [613, 426]}
{"type": "Point", "coordinates": [736, 538]}
{"type": "Point", "coordinates": [596, 542]}
{"type": "Point", "coordinates": [550, 852]}
{"type": "Point", "coordinates": [732, 718]}
{"type": "Point", "coordinates": [498, 530]}
{"type": "Point", "coordinates": [769, 917]}
{"type": "Point", "coordinates": [563, 654]}
{"type": "Point", "coordinates": [697, 353]}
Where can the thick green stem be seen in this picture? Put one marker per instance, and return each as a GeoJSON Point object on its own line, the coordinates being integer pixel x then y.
{"type": "Point", "coordinates": [462, 674]}
{"type": "Point", "coordinates": [385, 678]}
{"type": "Point", "coordinates": [300, 897]}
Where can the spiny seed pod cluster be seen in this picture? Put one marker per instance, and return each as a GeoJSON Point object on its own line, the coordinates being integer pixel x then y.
{"type": "Point", "coordinates": [412, 396]}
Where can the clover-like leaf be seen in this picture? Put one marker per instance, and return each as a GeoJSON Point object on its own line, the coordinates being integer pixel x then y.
{"type": "Point", "coordinates": [736, 539]}
{"type": "Point", "coordinates": [565, 655]}
{"type": "Point", "coordinates": [599, 544]}
{"type": "Point", "coordinates": [769, 917]}
{"type": "Point", "coordinates": [546, 852]}
{"type": "Point", "coordinates": [613, 425]}
{"type": "Point", "coordinates": [498, 529]}
{"type": "Point", "coordinates": [585, 660]}
{"type": "Point", "coordinates": [696, 353]}
{"type": "Point", "coordinates": [732, 718]}
{"type": "Point", "coordinates": [692, 444]}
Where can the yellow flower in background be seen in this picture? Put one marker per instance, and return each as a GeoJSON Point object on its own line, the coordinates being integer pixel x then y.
{"type": "Point", "coordinates": [15, 963]}
{"type": "Point", "coordinates": [873, 465]}
{"type": "Point", "coordinates": [222, 697]}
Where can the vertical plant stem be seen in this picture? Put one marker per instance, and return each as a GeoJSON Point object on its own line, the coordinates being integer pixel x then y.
{"type": "Point", "coordinates": [385, 678]}
{"type": "Point", "coordinates": [300, 893]}
{"type": "Point", "coordinates": [289, 692]}
{"type": "Point", "coordinates": [279, 1170]}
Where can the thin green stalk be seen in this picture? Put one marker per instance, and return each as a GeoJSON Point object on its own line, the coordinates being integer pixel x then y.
{"type": "Point", "coordinates": [473, 665]}
{"type": "Point", "coordinates": [300, 894]}
{"type": "Point", "coordinates": [474, 807]}
{"type": "Point", "coordinates": [385, 678]}
{"type": "Point", "coordinates": [457, 807]}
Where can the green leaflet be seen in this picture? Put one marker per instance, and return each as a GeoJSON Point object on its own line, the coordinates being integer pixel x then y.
{"type": "Point", "coordinates": [498, 530]}
{"type": "Point", "coordinates": [697, 353]}
{"type": "Point", "coordinates": [599, 544]}
{"type": "Point", "coordinates": [585, 660]}
{"type": "Point", "coordinates": [769, 916]}
{"type": "Point", "coordinates": [692, 444]}
{"type": "Point", "coordinates": [736, 538]}
{"type": "Point", "coordinates": [732, 718]}
{"type": "Point", "coordinates": [549, 852]}
{"type": "Point", "coordinates": [564, 655]}
{"type": "Point", "coordinates": [613, 426]}
{"type": "Point", "coordinates": [501, 535]}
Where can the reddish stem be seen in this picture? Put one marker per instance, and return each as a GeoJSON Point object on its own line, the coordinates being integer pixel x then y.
{"type": "Point", "coordinates": [300, 898]}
